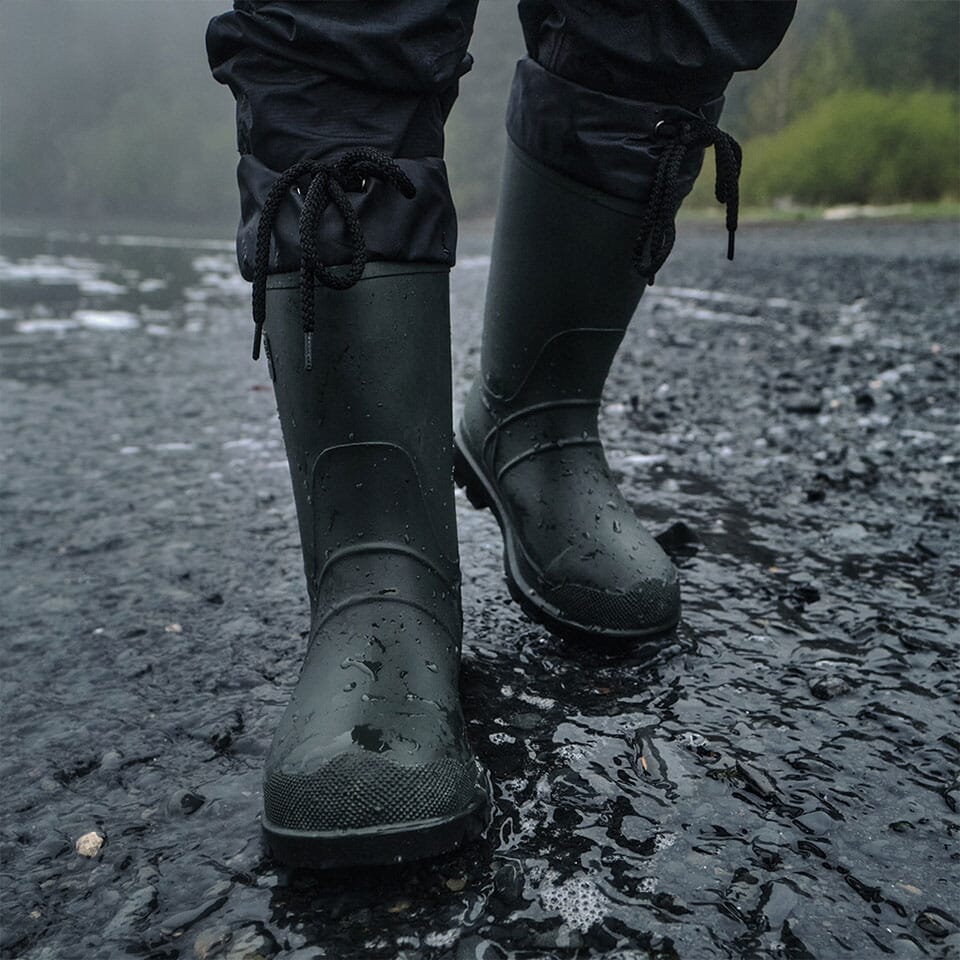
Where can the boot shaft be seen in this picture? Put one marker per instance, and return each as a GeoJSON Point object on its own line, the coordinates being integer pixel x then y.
{"type": "Point", "coordinates": [368, 429]}
{"type": "Point", "coordinates": [562, 288]}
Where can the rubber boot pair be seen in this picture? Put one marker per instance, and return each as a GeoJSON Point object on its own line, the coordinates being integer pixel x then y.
{"type": "Point", "coordinates": [371, 762]}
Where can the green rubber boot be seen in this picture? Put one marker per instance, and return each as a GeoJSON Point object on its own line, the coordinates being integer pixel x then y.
{"type": "Point", "coordinates": [370, 763]}
{"type": "Point", "coordinates": [560, 296]}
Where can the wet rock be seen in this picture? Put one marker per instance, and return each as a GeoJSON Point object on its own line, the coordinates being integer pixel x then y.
{"type": "Point", "coordinates": [857, 467]}
{"type": "Point", "coordinates": [508, 882]}
{"type": "Point", "coordinates": [52, 847]}
{"type": "Point", "coordinates": [950, 946]}
{"type": "Point", "coordinates": [89, 844]}
{"type": "Point", "coordinates": [901, 826]}
{"type": "Point", "coordinates": [211, 943]}
{"type": "Point", "coordinates": [849, 533]}
{"type": "Point", "coordinates": [137, 906]}
{"type": "Point", "coordinates": [909, 888]}
{"type": "Point", "coordinates": [111, 760]}
{"type": "Point", "coordinates": [679, 540]}
{"type": "Point", "coordinates": [177, 923]}
{"type": "Point", "coordinates": [803, 595]}
{"type": "Point", "coordinates": [218, 889]}
{"type": "Point", "coordinates": [803, 403]}
{"type": "Point", "coordinates": [816, 822]}
{"type": "Point", "coordinates": [908, 947]}
{"type": "Point", "coordinates": [756, 780]}
{"type": "Point", "coordinates": [926, 551]}
{"type": "Point", "coordinates": [562, 939]}
{"type": "Point", "coordinates": [221, 738]}
{"type": "Point", "coordinates": [796, 948]}
{"type": "Point", "coordinates": [185, 803]}
{"type": "Point", "coordinates": [12, 937]}
{"type": "Point", "coordinates": [829, 686]}
{"type": "Point", "coordinates": [936, 923]}
{"type": "Point", "coordinates": [766, 848]}
{"type": "Point", "coordinates": [252, 943]}
{"type": "Point", "coordinates": [79, 769]}
{"type": "Point", "coordinates": [778, 903]}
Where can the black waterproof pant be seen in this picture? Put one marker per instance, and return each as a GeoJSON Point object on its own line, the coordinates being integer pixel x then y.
{"type": "Point", "coordinates": [316, 79]}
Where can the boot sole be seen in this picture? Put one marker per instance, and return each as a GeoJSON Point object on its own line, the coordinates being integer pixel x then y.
{"type": "Point", "coordinates": [380, 845]}
{"type": "Point", "coordinates": [481, 494]}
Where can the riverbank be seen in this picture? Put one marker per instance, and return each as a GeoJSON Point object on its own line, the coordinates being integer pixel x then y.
{"type": "Point", "coordinates": [777, 781]}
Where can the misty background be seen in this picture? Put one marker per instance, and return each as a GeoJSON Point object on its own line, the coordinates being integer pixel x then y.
{"type": "Point", "coordinates": [109, 113]}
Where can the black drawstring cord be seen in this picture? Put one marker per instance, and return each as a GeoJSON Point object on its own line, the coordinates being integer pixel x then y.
{"type": "Point", "coordinates": [328, 184]}
{"type": "Point", "coordinates": [657, 231]}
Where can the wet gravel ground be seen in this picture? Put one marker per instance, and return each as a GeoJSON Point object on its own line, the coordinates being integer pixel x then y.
{"type": "Point", "coordinates": [778, 780]}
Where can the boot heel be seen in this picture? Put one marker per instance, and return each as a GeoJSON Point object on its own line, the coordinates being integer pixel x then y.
{"type": "Point", "coordinates": [465, 478]}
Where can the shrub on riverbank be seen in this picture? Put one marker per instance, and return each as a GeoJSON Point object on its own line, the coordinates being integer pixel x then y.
{"type": "Point", "coordinates": [857, 146]}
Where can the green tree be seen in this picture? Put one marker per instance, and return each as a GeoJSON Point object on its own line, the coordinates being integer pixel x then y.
{"type": "Point", "coordinates": [831, 63]}
{"type": "Point", "coordinates": [860, 147]}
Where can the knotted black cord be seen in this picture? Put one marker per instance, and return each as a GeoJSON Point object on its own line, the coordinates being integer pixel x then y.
{"type": "Point", "coordinates": [657, 231]}
{"type": "Point", "coordinates": [328, 184]}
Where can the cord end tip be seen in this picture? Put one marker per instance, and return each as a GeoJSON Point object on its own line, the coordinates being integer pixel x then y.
{"type": "Point", "coordinates": [257, 337]}
{"type": "Point", "coordinates": [730, 244]}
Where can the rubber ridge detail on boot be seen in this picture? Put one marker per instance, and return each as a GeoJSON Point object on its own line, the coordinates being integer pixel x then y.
{"type": "Point", "coordinates": [352, 791]}
{"type": "Point", "coordinates": [648, 611]}
{"type": "Point", "coordinates": [370, 762]}
{"type": "Point", "coordinates": [381, 845]}
{"type": "Point", "coordinates": [560, 296]}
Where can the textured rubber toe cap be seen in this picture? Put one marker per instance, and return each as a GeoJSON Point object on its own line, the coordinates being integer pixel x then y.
{"type": "Point", "coordinates": [353, 791]}
{"type": "Point", "coordinates": [595, 590]}
{"type": "Point", "coordinates": [651, 604]}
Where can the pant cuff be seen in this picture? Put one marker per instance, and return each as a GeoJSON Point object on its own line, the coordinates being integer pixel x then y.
{"type": "Point", "coordinates": [598, 139]}
{"type": "Point", "coordinates": [422, 229]}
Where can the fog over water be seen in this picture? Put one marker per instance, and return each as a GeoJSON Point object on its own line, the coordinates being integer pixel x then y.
{"type": "Point", "coordinates": [109, 110]}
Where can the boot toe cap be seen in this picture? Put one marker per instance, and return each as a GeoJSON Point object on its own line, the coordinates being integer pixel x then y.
{"type": "Point", "coordinates": [354, 791]}
{"type": "Point", "coordinates": [614, 592]}
{"type": "Point", "coordinates": [651, 605]}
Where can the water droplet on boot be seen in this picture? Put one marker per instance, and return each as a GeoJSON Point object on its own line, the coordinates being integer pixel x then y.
{"type": "Point", "coordinates": [360, 665]}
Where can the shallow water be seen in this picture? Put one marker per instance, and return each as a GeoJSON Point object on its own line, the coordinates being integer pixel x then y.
{"type": "Point", "coordinates": [779, 779]}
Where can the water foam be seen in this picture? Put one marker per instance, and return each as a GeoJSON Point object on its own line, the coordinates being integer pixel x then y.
{"type": "Point", "coordinates": [578, 900]}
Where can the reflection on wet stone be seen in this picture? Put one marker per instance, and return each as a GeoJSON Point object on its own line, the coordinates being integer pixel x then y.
{"type": "Point", "coordinates": [778, 779]}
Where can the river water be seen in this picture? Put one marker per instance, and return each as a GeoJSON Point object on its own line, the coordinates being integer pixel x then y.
{"type": "Point", "coordinates": [778, 779]}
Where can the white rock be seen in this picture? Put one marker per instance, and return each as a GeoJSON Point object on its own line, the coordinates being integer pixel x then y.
{"type": "Point", "coordinates": [89, 844]}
